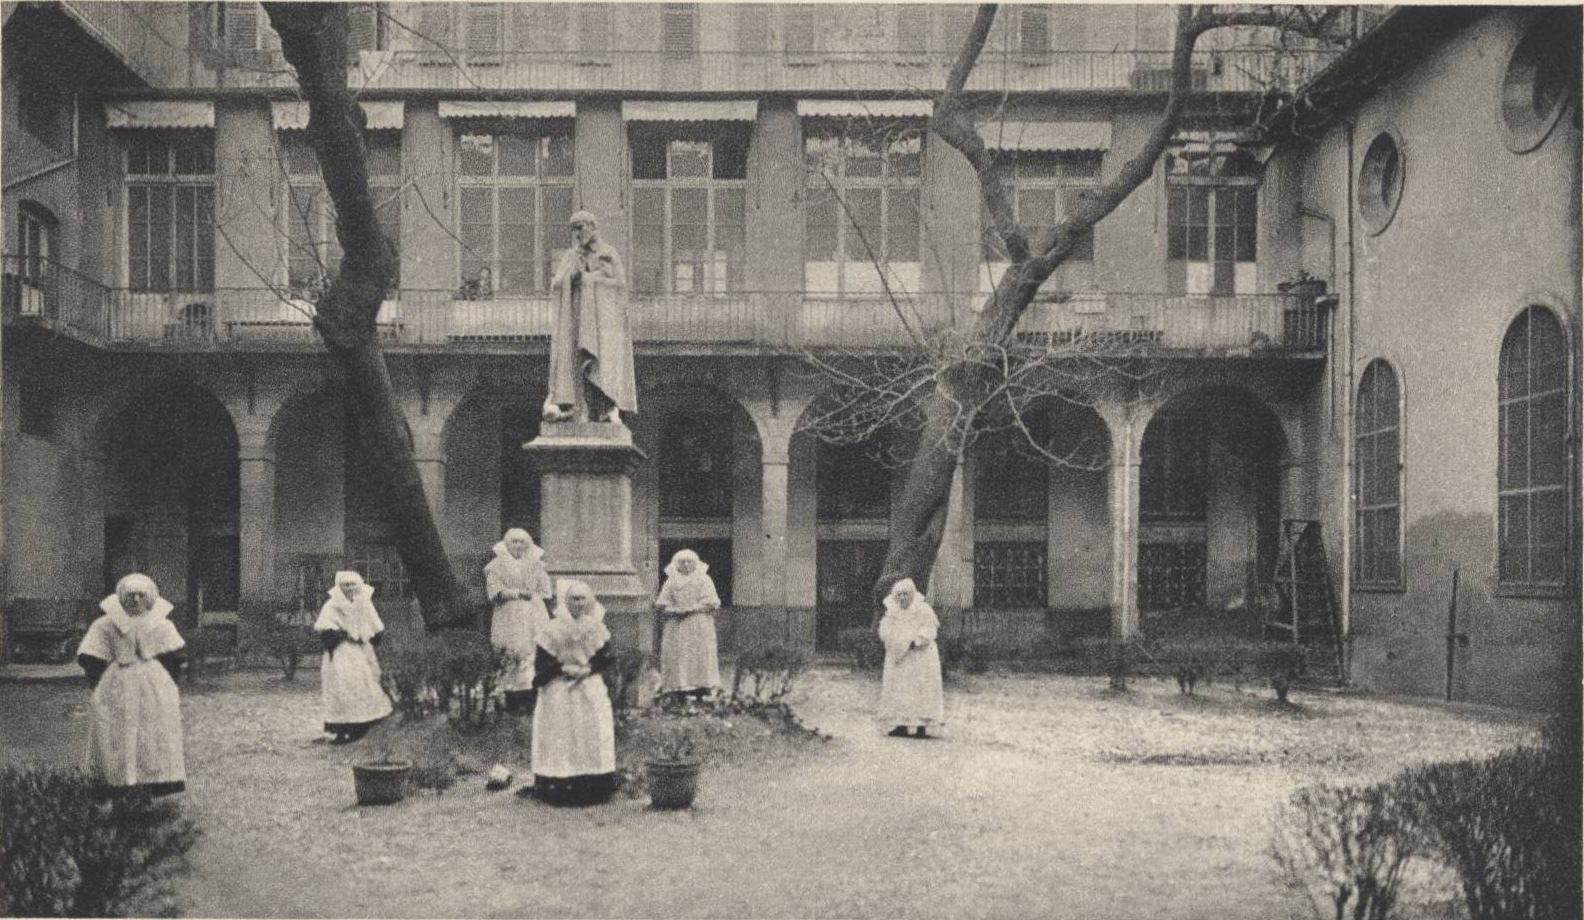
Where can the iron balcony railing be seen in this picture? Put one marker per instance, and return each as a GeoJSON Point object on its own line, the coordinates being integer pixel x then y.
{"type": "Point", "coordinates": [36, 289]}
{"type": "Point", "coordinates": [781, 71]}
{"type": "Point", "coordinates": [264, 320]}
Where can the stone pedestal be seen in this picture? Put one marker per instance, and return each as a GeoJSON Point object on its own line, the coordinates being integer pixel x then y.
{"type": "Point", "coordinates": [585, 519]}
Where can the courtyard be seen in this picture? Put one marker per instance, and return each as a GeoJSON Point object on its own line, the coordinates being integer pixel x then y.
{"type": "Point", "coordinates": [1046, 796]}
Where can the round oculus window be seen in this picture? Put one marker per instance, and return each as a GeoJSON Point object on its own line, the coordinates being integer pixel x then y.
{"type": "Point", "coordinates": [1380, 181]}
{"type": "Point", "coordinates": [1538, 84]}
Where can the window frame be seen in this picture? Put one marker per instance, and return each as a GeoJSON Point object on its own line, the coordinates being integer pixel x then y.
{"type": "Point", "coordinates": [545, 255]}
{"type": "Point", "coordinates": [1218, 184]}
{"type": "Point", "coordinates": [1077, 271]}
{"type": "Point", "coordinates": [385, 186]}
{"type": "Point", "coordinates": [982, 586]}
{"type": "Point", "coordinates": [173, 182]}
{"type": "Point", "coordinates": [847, 133]}
{"type": "Point", "coordinates": [1564, 491]}
{"type": "Point", "coordinates": [1367, 577]}
{"type": "Point", "coordinates": [684, 19]}
{"type": "Point", "coordinates": [671, 184]}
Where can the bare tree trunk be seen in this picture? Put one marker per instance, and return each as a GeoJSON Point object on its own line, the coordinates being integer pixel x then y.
{"type": "Point", "coordinates": [314, 40]}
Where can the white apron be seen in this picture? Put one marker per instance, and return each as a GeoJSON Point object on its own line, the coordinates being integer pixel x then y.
{"type": "Point", "coordinates": [910, 687]}
{"type": "Point", "coordinates": [574, 733]}
{"type": "Point", "coordinates": [136, 732]}
{"type": "Point", "coordinates": [513, 623]}
{"type": "Point", "coordinates": [688, 648]}
{"type": "Point", "coordinates": [349, 676]}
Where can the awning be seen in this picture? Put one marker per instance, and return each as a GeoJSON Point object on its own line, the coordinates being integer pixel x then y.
{"type": "Point", "coordinates": [293, 115]}
{"type": "Point", "coordinates": [481, 109]}
{"type": "Point", "coordinates": [668, 110]}
{"type": "Point", "coordinates": [865, 108]}
{"type": "Point", "coordinates": [164, 113]}
{"type": "Point", "coordinates": [1207, 142]}
{"type": "Point", "coordinates": [1046, 135]}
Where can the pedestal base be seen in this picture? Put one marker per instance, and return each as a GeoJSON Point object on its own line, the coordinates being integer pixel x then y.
{"type": "Point", "coordinates": [585, 519]}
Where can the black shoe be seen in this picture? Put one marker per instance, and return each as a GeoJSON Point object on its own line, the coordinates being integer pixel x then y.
{"type": "Point", "coordinates": [899, 732]}
{"type": "Point", "coordinates": [918, 732]}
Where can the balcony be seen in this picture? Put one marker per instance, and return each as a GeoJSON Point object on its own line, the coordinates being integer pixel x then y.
{"type": "Point", "coordinates": [648, 71]}
{"type": "Point", "coordinates": [261, 320]}
{"type": "Point", "coordinates": [133, 33]}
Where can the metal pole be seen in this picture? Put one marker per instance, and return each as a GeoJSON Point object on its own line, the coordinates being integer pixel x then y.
{"type": "Point", "coordinates": [1452, 637]}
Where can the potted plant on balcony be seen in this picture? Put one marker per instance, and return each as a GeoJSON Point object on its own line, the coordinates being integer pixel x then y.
{"type": "Point", "coordinates": [385, 779]}
{"type": "Point", "coordinates": [673, 769]}
{"type": "Point", "coordinates": [1304, 285]}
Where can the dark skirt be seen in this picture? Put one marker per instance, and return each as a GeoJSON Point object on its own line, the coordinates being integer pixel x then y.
{"type": "Point", "coordinates": [354, 730]}
{"type": "Point", "coordinates": [588, 789]}
{"type": "Point", "coordinates": [152, 790]}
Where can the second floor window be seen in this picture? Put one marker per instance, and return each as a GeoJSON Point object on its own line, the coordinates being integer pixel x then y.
{"type": "Point", "coordinates": [1212, 225]}
{"type": "Point", "coordinates": [689, 205]}
{"type": "Point", "coordinates": [170, 211]}
{"type": "Point", "coordinates": [515, 197]}
{"type": "Point", "coordinates": [861, 218]}
{"type": "Point", "coordinates": [1045, 187]}
{"type": "Point", "coordinates": [313, 250]}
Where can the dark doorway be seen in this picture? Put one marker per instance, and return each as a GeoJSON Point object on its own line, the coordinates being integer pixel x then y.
{"type": "Point", "coordinates": [845, 573]}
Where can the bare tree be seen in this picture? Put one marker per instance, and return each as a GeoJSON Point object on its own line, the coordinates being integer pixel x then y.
{"type": "Point", "coordinates": [957, 383]}
{"type": "Point", "coordinates": [314, 40]}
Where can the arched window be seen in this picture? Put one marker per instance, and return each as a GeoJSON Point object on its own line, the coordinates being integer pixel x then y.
{"type": "Point", "coordinates": [1532, 453]}
{"type": "Point", "coordinates": [1377, 438]}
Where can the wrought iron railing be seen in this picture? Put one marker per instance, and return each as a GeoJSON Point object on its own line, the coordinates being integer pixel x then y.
{"type": "Point", "coordinates": [777, 70]}
{"type": "Point", "coordinates": [259, 319]}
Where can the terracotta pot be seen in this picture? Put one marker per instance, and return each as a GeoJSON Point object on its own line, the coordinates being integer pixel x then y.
{"type": "Point", "coordinates": [381, 783]}
{"type": "Point", "coordinates": [672, 785]}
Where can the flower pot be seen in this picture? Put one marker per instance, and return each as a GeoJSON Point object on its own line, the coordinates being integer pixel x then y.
{"type": "Point", "coordinates": [380, 783]}
{"type": "Point", "coordinates": [672, 785]}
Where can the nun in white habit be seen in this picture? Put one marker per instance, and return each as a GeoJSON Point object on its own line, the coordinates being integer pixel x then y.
{"type": "Point", "coordinates": [911, 696]}
{"type": "Point", "coordinates": [517, 585]}
{"type": "Point", "coordinates": [574, 734]}
{"type": "Point", "coordinates": [349, 676]}
{"type": "Point", "coordinates": [688, 602]}
{"type": "Point", "coordinates": [131, 655]}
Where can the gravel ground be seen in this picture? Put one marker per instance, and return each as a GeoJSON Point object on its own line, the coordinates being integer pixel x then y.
{"type": "Point", "coordinates": [1048, 796]}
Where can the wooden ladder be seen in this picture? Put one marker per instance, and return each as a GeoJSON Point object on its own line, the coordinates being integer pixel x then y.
{"type": "Point", "coordinates": [1307, 613]}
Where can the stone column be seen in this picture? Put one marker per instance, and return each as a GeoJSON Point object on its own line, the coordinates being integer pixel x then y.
{"type": "Point", "coordinates": [256, 521]}
{"type": "Point", "coordinates": [1126, 424]}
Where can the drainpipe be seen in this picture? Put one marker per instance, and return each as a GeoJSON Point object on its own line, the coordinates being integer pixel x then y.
{"type": "Point", "coordinates": [1350, 299]}
{"type": "Point", "coordinates": [58, 164]}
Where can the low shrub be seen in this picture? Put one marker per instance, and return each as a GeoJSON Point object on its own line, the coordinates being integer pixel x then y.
{"type": "Point", "coordinates": [1347, 848]}
{"type": "Point", "coordinates": [1509, 826]}
{"type": "Point", "coordinates": [963, 654]}
{"type": "Point", "coordinates": [772, 670]}
{"type": "Point", "coordinates": [67, 850]}
{"type": "Point", "coordinates": [862, 647]}
{"type": "Point", "coordinates": [288, 638]}
{"type": "Point", "coordinates": [454, 673]}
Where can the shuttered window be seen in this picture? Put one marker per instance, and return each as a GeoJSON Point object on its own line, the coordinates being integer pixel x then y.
{"type": "Point", "coordinates": [912, 30]}
{"type": "Point", "coordinates": [484, 28]}
{"type": "Point", "coordinates": [239, 26]}
{"type": "Point", "coordinates": [1033, 31]}
{"type": "Point", "coordinates": [679, 30]}
{"type": "Point", "coordinates": [541, 27]}
{"type": "Point", "coordinates": [367, 29]}
{"type": "Point", "coordinates": [594, 31]}
{"type": "Point", "coordinates": [434, 28]}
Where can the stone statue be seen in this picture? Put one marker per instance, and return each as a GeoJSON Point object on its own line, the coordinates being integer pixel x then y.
{"type": "Point", "coordinates": [591, 354]}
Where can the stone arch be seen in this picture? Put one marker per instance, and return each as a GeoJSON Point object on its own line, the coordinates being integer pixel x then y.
{"type": "Point", "coordinates": [490, 483]}
{"type": "Point", "coordinates": [171, 492]}
{"type": "Point", "coordinates": [1040, 517]}
{"type": "Point", "coordinates": [703, 490]}
{"type": "Point", "coordinates": [1210, 483]}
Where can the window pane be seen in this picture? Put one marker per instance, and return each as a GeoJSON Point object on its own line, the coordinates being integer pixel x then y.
{"type": "Point", "coordinates": [1198, 244]}
{"type": "Point", "coordinates": [1515, 538]}
{"type": "Point", "coordinates": [558, 155]}
{"type": "Point", "coordinates": [476, 155]}
{"type": "Point", "coordinates": [649, 156]}
{"type": "Point", "coordinates": [555, 237]}
{"type": "Point", "coordinates": [902, 225]}
{"type": "Point", "coordinates": [819, 228]}
{"type": "Point", "coordinates": [862, 157]}
{"type": "Point", "coordinates": [863, 241]}
{"type": "Point", "coordinates": [384, 150]}
{"type": "Point", "coordinates": [1548, 439]}
{"type": "Point", "coordinates": [1036, 207]}
{"type": "Point", "coordinates": [690, 159]}
{"type": "Point", "coordinates": [1198, 206]}
{"type": "Point", "coordinates": [1548, 534]}
{"type": "Point", "coordinates": [1517, 471]}
{"type": "Point", "coordinates": [477, 231]}
{"type": "Point", "coordinates": [519, 155]}
{"type": "Point", "coordinates": [906, 155]}
{"type": "Point", "coordinates": [195, 155]}
{"type": "Point", "coordinates": [731, 153]}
